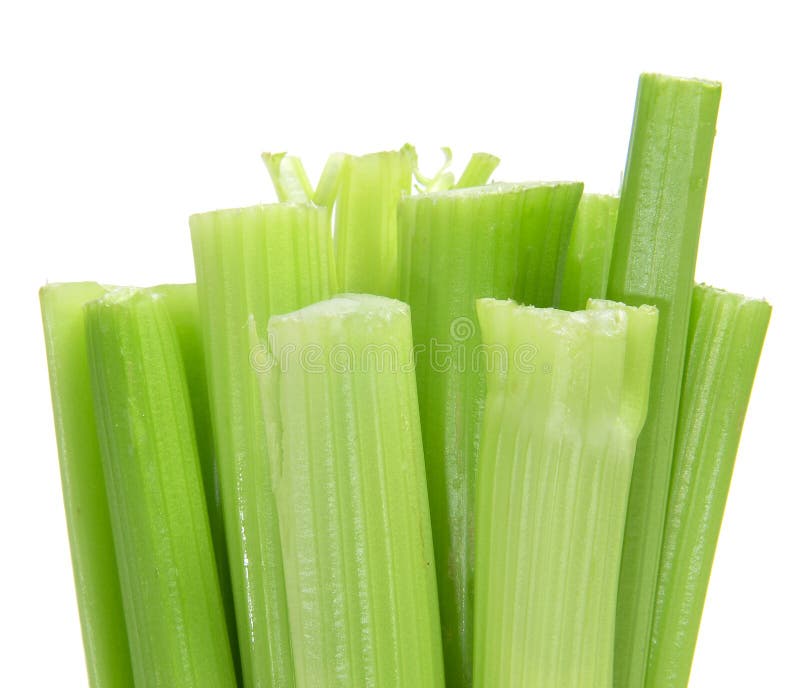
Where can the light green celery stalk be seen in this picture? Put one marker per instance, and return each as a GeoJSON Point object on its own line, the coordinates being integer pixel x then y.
{"type": "Point", "coordinates": [567, 397]}
{"type": "Point", "coordinates": [455, 247]}
{"type": "Point", "coordinates": [726, 333]}
{"type": "Point", "coordinates": [288, 177]}
{"type": "Point", "coordinates": [589, 252]}
{"type": "Point", "coordinates": [655, 248]}
{"type": "Point", "coordinates": [181, 303]}
{"type": "Point", "coordinates": [349, 480]}
{"type": "Point", "coordinates": [478, 170]}
{"type": "Point", "coordinates": [168, 578]}
{"type": "Point", "coordinates": [94, 564]}
{"type": "Point", "coordinates": [252, 263]}
{"type": "Point", "coordinates": [365, 237]}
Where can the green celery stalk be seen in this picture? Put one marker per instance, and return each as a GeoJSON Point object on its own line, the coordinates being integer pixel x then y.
{"type": "Point", "coordinates": [170, 590]}
{"type": "Point", "coordinates": [457, 246]}
{"type": "Point", "coordinates": [655, 248]}
{"type": "Point", "coordinates": [566, 399]}
{"type": "Point", "coordinates": [478, 170]}
{"type": "Point", "coordinates": [329, 180]}
{"type": "Point", "coordinates": [181, 303]}
{"type": "Point", "coordinates": [349, 479]}
{"type": "Point", "coordinates": [726, 333]}
{"type": "Point", "coordinates": [94, 564]}
{"type": "Point", "coordinates": [365, 236]}
{"type": "Point", "coordinates": [252, 263]}
{"type": "Point", "coordinates": [589, 252]}
{"type": "Point", "coordinates": [288, 177]}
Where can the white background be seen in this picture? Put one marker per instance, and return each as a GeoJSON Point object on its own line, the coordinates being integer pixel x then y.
{"type": "Point", "coordinates": [118, 120]}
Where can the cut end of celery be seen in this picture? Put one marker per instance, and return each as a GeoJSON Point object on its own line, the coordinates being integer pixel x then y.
{"type": "Point", "coordinates": [344, 305]}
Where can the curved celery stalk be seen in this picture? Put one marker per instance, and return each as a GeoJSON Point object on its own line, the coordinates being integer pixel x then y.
{"type": "Point", "coordinates": [589, 252]}
{"type": "Point", "coordinates": [329, 180]}
{"type": "Point", "coordinates": [349, 479]}
{"type": "Point", "coordinates": [655, 247]}
{"type": "Point", "coordinates": [105, 639]}
{"type": "Point", "coordinates": [252, 263]}
{"type": "Point", "coordinates": [288, 177]}
{"type": "Point", "coordinates": [726, 333]}
{"type": "Point", "coordinates": [455, 247]}
{"type": "Point", "coordinates": [478, 170]}
{"type": "Point", "coordinates": [170, 591]}
{"type": "Point", "coordinates": [181, 303]}
{"type": "Point", "coordinates": [566, 399]}
{"type": "Point", "coordinates": [365, 235]}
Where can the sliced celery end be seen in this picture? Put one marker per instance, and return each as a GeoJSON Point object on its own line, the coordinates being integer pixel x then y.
{"type": "Point", "coordinates": [170, 590]}
{"type": "Point", "coordinates": [655, 248]}
{"type": "Point", "coordinates": [726, 333]}
{"type": "Point", "coordinates": [556, 454]}
{"type": "Point", "coordinates": [94, 563]}
{"type": "Point", "coordinates": [349, 478]}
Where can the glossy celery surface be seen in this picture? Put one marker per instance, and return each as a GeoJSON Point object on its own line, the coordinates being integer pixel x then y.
{"type": "Point", "coordinates": [455, 247]}
{"type": "Point", "coordinates": [655, 248]}
{"type": "Point", "coordinates": [94, 563]}
{"type": "Point", "coordinates": [365, 235]}
{"type": "Point", "coordinates": [478, 170]}
{"type": "Point", "coordinates": [589, 254]}
{"type": "Point", "coordinates": [566, 399]}
{"type": "Point", "coordinates": [726, 333]}
{"type": "Point", "coordinates": [252, 263]}
{"type": "Point", "coordinates": [349, 479]}
{"type": "Point", "coordinates": [168, 578]}
{"type": "Point", "coordinates": [181, 303]}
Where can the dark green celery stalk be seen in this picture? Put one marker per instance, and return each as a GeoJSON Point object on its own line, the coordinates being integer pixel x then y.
{"type": "Point", "coordinates": [566, 399]}
{"type": "Point", "coordinates": [252, 263]}
{"type": "Point", "coordinates": [349, 480]}
{"type": "Point", "coordinates": [181, 303]}
{"type": "Point", "coordinates": [365, 236]}
{"type": "Point", "coordinates": [457, 246]}
{"type": "Point", "coordinates": [170, 589]}
{"type": "Point", "coordinates": [478, 170]}
{"type": "Point", "coordinates": [655, 247]}
{"type": "Point", "coordinates": [726, 333]}
{"type": "Point", "coordinates": [94, 565]}
{"type": "Point", "coordinates": [589, 253]}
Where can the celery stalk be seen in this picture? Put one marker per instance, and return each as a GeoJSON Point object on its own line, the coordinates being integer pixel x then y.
{"type": "Point", "coordinates": [349, 479]}
{"type": "Point", "coordinates": [94, 564]}
{"type": "Point", "coordinates": [455, 247]}
{"type": "Point", "coordinates": [181, 303]}
{"type": "Point", "coordinates": [170, 590]}
{"type": "Point", "coordinates": [589, 252]}
{"type": "Point", "coordinates": [252, 263]}
{"type": "Point", "coordinates": [365, 237]}
{"type": "Point", "coordinates": [478, 170]}
{"type": "Point", "coordinates": [726, 333]}
{"type": "Point", "coordinates": [288, 177]}
{"type": "Point", "coordinates": [655, 247]}
{"type": "Point", "coordinates": [566, 399]}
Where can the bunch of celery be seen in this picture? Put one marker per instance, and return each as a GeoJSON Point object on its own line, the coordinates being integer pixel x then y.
{"type": "Point", "coordinates": [512, 475]}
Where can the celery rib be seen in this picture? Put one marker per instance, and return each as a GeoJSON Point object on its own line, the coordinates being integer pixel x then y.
{"type": "Point", "coordinates": [557, 446]}
{"type": "Point", "coordinates": [589, 253]}
{"type": "Point", "coordinates": [478, 170]}
{"type": "Point", "coordinates": [288, 177]}
{"type": "Point", "coordinates": [455, 247]}
{"type": "Point", "coordinates": [349, 479]}
{"type": "Point", "coordinates": [726, 334]}
{"type": "Point", "coordinates": [252, 263]}
{"type": "Point", "coordinates": [94, 564]}
{"type": "Point", "coordinates": [655, 248]}
{"type": "Point", "coordinates": [170, 590]}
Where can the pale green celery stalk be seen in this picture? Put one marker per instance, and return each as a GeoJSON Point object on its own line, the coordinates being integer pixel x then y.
{"type": "Point", "coordinates": [170, 590]}
{"type": "Point", "coordinates": [655, 248]}
{"type": "Point", "coordinates": [478, 170]}
{"type": "Point", "coordinates": [366, 221]}
{"type": "Point", "coordinates": [589, 252]}
{"type": "Point", "coordinates": [726, 333]}
{"type": "Point", "coordinates": [252, 263]}
{"type": "Point", "coordinates": [349, 480]}
{"type": "Point", "coordinates": [181, 303]}
{"type": "Point", "coordinates": [94, 564]}
{"type": "Point", "coordinates": [455, 247]}
{"type": "Point", "coordinates": [288, 177]}
{"type": "Point", "coordinates": [566, 399]}
{"type": "Point", "coordinates": [329, 180]}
